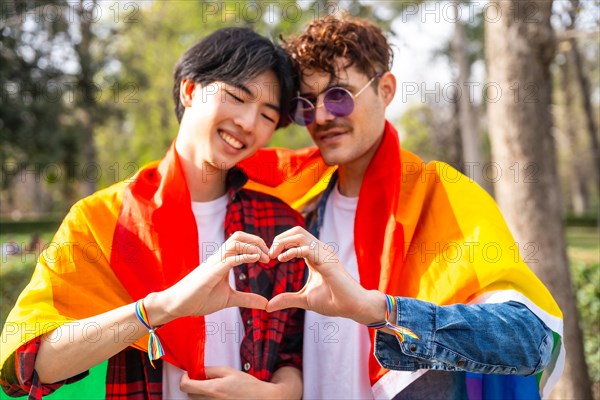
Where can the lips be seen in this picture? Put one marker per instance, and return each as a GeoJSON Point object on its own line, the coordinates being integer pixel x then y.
{"type": "Point", "coordinates": [330, 134]}
{"type": "Point", "coordinates": [231, 140]}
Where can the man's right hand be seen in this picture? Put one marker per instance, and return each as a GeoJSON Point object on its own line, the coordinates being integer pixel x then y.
{"type": "Point", "coordinates": [329, 290]}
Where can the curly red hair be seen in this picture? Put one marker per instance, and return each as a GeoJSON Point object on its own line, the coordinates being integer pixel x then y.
{"type": "Point", "coordinates": [328, 39]}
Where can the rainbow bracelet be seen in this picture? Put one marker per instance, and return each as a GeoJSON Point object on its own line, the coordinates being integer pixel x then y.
{"type": "Point", "coordinates": [399, 331]}
{"type": "Point", "coordinates": [155, 349]}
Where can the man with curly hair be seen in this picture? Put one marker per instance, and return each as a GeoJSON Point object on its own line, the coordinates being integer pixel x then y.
{"type": "Point", "coordinates": [415, 258]}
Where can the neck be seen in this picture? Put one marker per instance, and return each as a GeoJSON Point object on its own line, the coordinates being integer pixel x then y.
{"type": "Point", "coordinates": [206, 183]}
{"type": "Point", "coordinates": [350, 175]}
{"type": "Point", "coordinates": [349, 181]}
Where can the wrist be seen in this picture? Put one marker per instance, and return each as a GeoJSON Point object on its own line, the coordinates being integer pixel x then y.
{"type": "Point", "coordinates": [377, 308]}
{"type": "Point", "coordinates": [273, 390]}
{"type": "Point", "coordinates": [279, 390]}
{"type": "Point", "coordinates": [393, 316]}
{"type": "Point", "coordinates": [264, 390]}
{"type": "Point", "coordinates": [286, 384]}
{"type": "Point", "coordinates": [157, 313]}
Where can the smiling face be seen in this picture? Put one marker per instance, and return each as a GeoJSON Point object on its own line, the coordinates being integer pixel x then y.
{"type": "Point", "coordinates": [223, 124]}
{"type": "Point", "coordinates": [349, 141]}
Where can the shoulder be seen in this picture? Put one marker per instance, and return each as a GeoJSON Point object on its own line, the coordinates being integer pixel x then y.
{"type": "Point", "coordinates": [99, 208]}
{"type": "Point", "coordinates": [93, 218]}
{"type": "Point", "coordinates": [416, 171]}
{"type": "Point", "coordinates": [107, 199]}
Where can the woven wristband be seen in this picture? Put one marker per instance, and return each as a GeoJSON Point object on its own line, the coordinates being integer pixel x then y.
{"type": "Point", "coordinates": [155, 349]}
{"type": "Point", "coordinates": [398, 330]}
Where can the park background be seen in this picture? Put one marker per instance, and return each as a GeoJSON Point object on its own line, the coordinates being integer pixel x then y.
{"type": "Point", "coordinates": [85, 101]}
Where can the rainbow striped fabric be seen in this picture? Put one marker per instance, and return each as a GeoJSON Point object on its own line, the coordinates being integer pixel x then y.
{"type": "Point", "coordinates": [106, 254]}
{"type": "Point", "coordinates": [428, 232]}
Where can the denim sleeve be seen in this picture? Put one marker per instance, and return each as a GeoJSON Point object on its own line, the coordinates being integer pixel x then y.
{"type": "Point", "coordinates": [504, 338]}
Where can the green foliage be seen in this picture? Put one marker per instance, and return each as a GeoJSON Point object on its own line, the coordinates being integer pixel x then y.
{"type": "Point", "coordinates": [129, 55]}
{"type": "Point", "coordinates": [474, 34]}
{"type": "Point", "coordinates": [425, 130]}
{"type": "Point", "coordinates": [48, 224]}
{"type": "Point", "coordinates": [31, 84]}
{"type": "Point", "coordinates": [416, 126]}
{"type": "Point", "coordinates": [53, 66]}
{"type": "Point", "coordinates": [293, 137]}
{"type": "Point", "coordinates": [584, 253]}
{"type": "Point", "coordinates": [584, 220]}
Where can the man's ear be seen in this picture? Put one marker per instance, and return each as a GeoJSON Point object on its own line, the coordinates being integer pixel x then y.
{"type": "Point", "coordinates": [186, 92]}
{"type": "Point", "coordinates": [387, 87]}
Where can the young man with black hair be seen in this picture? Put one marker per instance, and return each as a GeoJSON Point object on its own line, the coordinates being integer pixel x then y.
{"type": "Point", "coordinates": [173, 256]}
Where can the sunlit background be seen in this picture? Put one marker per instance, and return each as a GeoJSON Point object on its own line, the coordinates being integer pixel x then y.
{"type": "Point", "coordinates": [86, 100]}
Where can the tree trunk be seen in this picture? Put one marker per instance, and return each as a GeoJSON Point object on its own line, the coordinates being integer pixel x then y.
{"type": "Point", "coordinates": [577, 183]}
{"type": "Point", "coordinates": [471, 142]}
{"type": "Point", "coordinates": [584, 87]}
{"type": "Point", "coordinates": [455, 148]}
{"type": "Point", "coordinates": [519, 48]}
{"type": "Point", "coordinates": [88, 103]}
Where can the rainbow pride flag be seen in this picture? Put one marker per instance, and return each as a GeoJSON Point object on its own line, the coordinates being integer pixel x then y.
{"type": "Point", "coordinates": [428, 232]}
{"type": "Point", "coordinates": [108, 253]}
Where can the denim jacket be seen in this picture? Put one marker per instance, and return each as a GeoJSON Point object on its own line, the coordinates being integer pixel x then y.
{"type": "Point", "coordinates": [503, 338]}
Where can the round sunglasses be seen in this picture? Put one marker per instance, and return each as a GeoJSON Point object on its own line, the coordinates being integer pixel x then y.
{"type": "Point", "coordinates": [337, 100]}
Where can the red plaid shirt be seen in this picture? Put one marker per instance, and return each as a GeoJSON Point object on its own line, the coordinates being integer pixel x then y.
{"type": "Point", "coordinates": [130, 374]}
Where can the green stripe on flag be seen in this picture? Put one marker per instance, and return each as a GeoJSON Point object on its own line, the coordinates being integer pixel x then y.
{"type": "Point", "coordinates": [91, 387]}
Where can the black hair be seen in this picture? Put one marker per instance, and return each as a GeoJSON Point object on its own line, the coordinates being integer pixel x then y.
{"type": "Point", "coordinates": [234, 56]}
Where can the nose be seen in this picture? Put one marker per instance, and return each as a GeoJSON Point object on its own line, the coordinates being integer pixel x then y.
{"type": "Point", "coordinates": [247, 120]}
{"type": "Point", "coordinates": [322, 115]}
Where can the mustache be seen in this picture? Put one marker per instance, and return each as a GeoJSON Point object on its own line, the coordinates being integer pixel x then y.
{"type": "Point", "coordinates": [331, 125]}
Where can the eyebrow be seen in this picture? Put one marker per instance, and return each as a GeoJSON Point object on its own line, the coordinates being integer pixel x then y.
{"type": "Point", "coordinates": [345, 85]}
{"type": "Point", "coordinates": [245, 89]}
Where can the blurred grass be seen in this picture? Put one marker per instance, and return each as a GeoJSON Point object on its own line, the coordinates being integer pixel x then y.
{"type": "Point", "coordinates": [16, 270]}
{"type": "Point", "coordinates": [583, 249]}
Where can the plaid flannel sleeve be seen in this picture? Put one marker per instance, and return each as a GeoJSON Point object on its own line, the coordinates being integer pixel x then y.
{"type": "Point", "coordinates": [19, 378]}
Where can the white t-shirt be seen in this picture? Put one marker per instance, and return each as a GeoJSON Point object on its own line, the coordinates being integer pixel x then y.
{"type": "Point", "coordinates": [336, 350]}
{"type": "Point", "coordinates": [224, 329]}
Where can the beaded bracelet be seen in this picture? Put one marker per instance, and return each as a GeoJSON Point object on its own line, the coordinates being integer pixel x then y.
{"type": "Point", "coordinates": [155, 349]}
{"type": "Point", "coordinates": [399, 331]}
